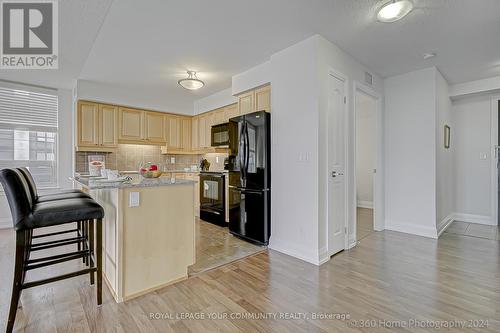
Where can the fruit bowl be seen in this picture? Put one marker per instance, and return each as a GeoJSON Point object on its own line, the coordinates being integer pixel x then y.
{"type": "Point", "coordinates": [150, 170]}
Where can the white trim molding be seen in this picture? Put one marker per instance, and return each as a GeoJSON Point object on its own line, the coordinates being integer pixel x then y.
{"type": "Point", "coordinates": [293, 251]}
{"type": "Point", "coordinates": [445, 223]}
{"type": "Point", "coordinates": [472, 218]}
{"type": "Point", "coordinates": [365, 204]}
{"type": "Point", "coordinates": [410, 228]}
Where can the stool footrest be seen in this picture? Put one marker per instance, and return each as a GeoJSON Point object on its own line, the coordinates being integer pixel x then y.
{"type": "Point", "coordinates": [55, 233]}
{"type": "Point", "coordinates": [59, 277]}
{"type": "Point", "coordinates": [58, 259]}
{"type": "Point", "coordinates": [61, 242]}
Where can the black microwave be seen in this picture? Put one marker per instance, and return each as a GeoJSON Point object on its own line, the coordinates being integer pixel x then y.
{"type": "Point", "coordinates": [220, 135]}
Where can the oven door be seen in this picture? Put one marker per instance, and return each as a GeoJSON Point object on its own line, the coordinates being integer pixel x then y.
{"type": "Point", "coordinates": [212, 198]}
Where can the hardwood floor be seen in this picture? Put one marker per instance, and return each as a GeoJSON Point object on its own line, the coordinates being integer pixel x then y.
{"type": "Point", "coordinates": [215, 247]}
{"type": "Point", "coordinates": [364, 223]}
{"type": "Point", "coordinates": [474, 230]}
{"type": "Point", "coordinates": [389, 276]}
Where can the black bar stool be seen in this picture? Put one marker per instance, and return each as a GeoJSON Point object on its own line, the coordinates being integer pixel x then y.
{"type": "Point", "coordinates": [28, 215]}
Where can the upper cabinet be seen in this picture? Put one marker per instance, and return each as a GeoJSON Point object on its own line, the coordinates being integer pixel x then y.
{"type": "Point", "coordinates": [141, 127]}
{"type": "Point", "coordinates": [246, 102]}
{"type": "Point", "coordinates": [219, 116]}
{"type": "Point", "coordinates": [154, 127]}
{"type": "Point", "coordinates": [255, 100]}
{"type": "Point", "coordinates": [263, 99]}
{"type": "Point", "coordinates": [131, 123]}
{"type": "Point", "coordinates": [179, 138]}
{"type": "Point", "coordinates": [231, 111]}
{"type": "Point", "coordinates": [97, 127]}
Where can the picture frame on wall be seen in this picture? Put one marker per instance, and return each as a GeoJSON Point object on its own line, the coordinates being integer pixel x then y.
{"type": "Point", "coordinates": [447, 134]}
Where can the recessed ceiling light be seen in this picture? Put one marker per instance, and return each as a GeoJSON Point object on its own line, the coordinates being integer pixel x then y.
{"type": "Point", "coordinates": [191, 82]}
{"type": "Point", "coordinates": [429, 55]}
{"type": "Point", "coordinates": [394, 10]}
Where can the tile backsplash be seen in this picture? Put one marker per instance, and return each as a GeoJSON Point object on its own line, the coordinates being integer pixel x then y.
{"type": "Point", "coordinates": [130, 157]}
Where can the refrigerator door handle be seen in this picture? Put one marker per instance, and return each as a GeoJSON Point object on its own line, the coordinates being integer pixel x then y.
{"type": "Point", "coordinates": [247, 149]}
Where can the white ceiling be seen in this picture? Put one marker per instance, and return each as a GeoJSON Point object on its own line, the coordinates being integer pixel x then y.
{"type": "Point", "coordinates": [148, 45]}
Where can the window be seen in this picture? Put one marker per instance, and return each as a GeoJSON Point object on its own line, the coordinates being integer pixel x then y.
{"type": "Point", "coordinates": [28, 131]}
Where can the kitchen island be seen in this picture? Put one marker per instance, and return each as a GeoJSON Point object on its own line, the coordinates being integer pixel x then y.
{"type": "Point", "coordinates": [148, 233]}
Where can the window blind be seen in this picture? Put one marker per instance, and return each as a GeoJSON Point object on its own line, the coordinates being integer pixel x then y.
{"type": "Point", "coordinates": [28, 132]}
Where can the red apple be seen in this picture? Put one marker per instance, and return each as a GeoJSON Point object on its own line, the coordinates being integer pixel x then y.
{"type": "Point", "coordinates": [153, 167]}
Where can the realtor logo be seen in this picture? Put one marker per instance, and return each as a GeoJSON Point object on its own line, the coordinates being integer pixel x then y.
{"type": "Point", "coordinates": [29, 34]}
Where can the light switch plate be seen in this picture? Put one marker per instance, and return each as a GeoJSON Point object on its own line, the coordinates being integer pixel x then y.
{"type": "Point", "coordinates": [483, 156]}
{"type": "Point", "coordinates": [134, 199]}
{"type": "Point", "coordinates": [172, 160]}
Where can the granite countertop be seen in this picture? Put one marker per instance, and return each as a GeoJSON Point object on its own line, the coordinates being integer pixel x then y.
{"type": "Point", "coordinates": [162, 181]}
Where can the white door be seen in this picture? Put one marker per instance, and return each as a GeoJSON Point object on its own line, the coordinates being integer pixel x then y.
{"type": "Point", "coordinates": [336, 166]}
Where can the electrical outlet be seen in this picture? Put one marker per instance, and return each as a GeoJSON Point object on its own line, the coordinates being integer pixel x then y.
{"type": "Point", "coordinates": [134, 199]}
{"type": "Point", "coordinates": [483, 156]}
{"type": "Point", "coordinates": [172, 160]}
{"type": "Point", "coordinates": [216, 159]}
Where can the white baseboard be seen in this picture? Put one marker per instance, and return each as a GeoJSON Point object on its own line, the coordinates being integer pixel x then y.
{"type": "Point", "coordinates": [5, 223]}
{"type": "Point", "coordinates": [472, 218]}
{"type": "Point", "coordinates": [410, 228]}
{"type": "Point", "coordinates": [365, 204]}
{"type": "Point", "coordinates": [445, 223]}
{"type": "Point", "coordinates": [295, 252]}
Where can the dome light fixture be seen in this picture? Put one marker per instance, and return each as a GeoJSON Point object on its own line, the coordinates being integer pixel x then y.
{"type": "Point", "coordinates": [191, 82]}
{"type": "Point", "coordinates": [394, 10]}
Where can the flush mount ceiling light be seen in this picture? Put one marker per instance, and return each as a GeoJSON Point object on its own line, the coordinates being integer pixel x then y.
{"type": "Point", "coordinates": [394, 10]}
{"type": "Point", "coordinates": [191, 82]}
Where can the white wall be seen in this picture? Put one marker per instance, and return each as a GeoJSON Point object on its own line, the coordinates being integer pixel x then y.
{"type": "Point", "coordinates": [299, 133]}
{"type": "Point", "coordinates": [331, 57]}
{"type": "Point", "coordinates": [445, 184]}
{"type": "Point", "coordinates": [65, 151]}
{"type": "Point", "coordinates": [294, 156]}
{"type": "Point", "coordinates": [252, 78]}
{"type": "Point", "coordinates": [366, 140]}
{"type": "Point", "coordinates": [410, 152]}
{"type": "Point", "coordinates": [215, 101]}
{"type": "Point", "coordinates": [471, 137]}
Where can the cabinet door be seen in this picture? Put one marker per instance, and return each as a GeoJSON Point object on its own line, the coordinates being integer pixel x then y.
{"type": "Point", "coordinates": [263, 99]}
{"type": "Point", "coordinates": [174, 139]}
{"type": "Point", "coordinates": [231, 111]}
{"type": "Point", "coordinates": [218, 117]}
{"type": "Point", "coordinates": [195, 144]}
{"type": "Point", "coordinates": [186, 133]}
{"type": "Point", "coordinates": [131, 124]}
{"type": "Point", "coordinates": [88, 124]}
{"type": "Point", "coordinates": [108, 119]}
{"type": "Point", "coordinates": [208, 129]}
{"type": "Point", "coordinates": [246, 102]}
{"type": "Point", "coordinates": [202, 137]}
{"type": "Point", "coordinates": [155, 127]}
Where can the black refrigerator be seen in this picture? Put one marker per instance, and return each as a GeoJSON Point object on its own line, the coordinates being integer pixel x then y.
{"type": "Point", "coordinates": [250, 177]}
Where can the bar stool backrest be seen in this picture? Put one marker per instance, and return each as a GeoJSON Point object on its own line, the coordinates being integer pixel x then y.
{"type": "Point", "coordinates": [18, 195]}
{"type": "Point", "coordinates": [31, 183]}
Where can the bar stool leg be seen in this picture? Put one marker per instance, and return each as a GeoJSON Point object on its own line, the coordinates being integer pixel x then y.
{"type": "Point", "coordinates": [79, 234]}
{"type": "Point", "coordinates": [84, 242]}
{"type": "Point", "coordinates": [18, 277]}
{"type": "Point", "coordinates": [99, 260]}
{"type": "Point", "coordinates": [91, 249]}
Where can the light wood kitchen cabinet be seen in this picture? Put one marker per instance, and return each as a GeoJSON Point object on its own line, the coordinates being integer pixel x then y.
{"type": "Point", "coordinates": [246, 102]}
{"type": "Point", "coordinates": [255, 100]}
{"type": "Point", "coordinates": [263, 99]}
{"type": "Point", "coordinates": [231, 111]}
{"type": "Point", "coordinates": [202, 136]}
{"type": "Point", "coordinates": [174, 131]}
{"type": "Point", "coordinates": [154, 127]}
{"type": "Point", "coordinates": [218, 117]}
{"type": "Point", "coordinates": [195, 128]}
{"type": "Point", "coordinates": [186, 134]}
{"type": "Point", "coordinates": [88, 114]}
{"type": "Point", "coordinates": [97, 127]}
{"type": "Point", "coordinates": [131, 123]}
{"type": "Point", "coordinates": [108, 125]}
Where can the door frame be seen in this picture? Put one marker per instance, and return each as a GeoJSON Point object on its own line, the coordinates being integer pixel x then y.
{"type": "Point", "coordinates": [493, 157]}
{"type": "Point", "coordinates": [378, 176]}
{"type": "Point", "coordinates": [342, 77]}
